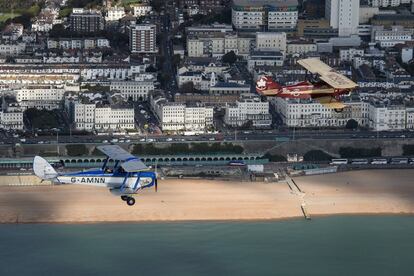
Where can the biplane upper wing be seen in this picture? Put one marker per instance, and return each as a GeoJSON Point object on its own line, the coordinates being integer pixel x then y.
{"type": "Point", "coordinates": [327, 74]}
{"type": "Point", "coordinates": [330, 102]}
{"type": "Point", "coordinates": [130, 163]}
{"type": "Point", "coordinates": [315, 66]}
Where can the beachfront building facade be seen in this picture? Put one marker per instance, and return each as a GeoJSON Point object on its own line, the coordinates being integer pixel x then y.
{"type": "Point", "coordinates": [181, 117]}
{"type": "Point", "coordinates": [248, 110]}
{"type": "Point", "coordinates": [100, 112]}
{"type": "Point", "coordinates": [384, 117]}
{"type": "Point", "coordinates": [308, 113]}
{"type": "Point", "coordinates": [11, 114]}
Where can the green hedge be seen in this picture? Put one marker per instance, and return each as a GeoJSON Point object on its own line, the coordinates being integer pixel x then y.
{"type": "Point", "coordinates": [76, 150]}
{"type": "Point", "coordinates": [184, 148]}
{"type": "Point", "coordinates": [275, 157]}
{"type": "Point", "coordinates": [350, 152]}
{"type": "Point", "coordinates": [408, 149]}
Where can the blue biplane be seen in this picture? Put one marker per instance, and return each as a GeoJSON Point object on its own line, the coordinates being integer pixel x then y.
{"type": "Point", "coordinates": [124, 178]}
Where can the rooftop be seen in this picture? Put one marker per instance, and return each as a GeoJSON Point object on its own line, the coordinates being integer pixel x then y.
{"type": "Point", "coordinates": [269, 3]}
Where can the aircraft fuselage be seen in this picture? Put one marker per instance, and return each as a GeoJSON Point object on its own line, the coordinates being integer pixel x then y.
{"type": "Point", "coordinates": [111, 180]}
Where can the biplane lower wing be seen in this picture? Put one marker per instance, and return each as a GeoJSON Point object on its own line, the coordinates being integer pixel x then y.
{"type": "Point", "coordinates": [330, 102]}
{"type": "Point", "coordinates": [134, 165]}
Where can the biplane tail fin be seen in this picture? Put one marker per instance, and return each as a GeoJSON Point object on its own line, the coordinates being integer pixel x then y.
{"type": "Point", "coordinates": [43, 169]}
{"type": "Point", "coordinates": [266, 86]}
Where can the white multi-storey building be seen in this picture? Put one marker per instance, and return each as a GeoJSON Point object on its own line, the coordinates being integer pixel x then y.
{"type": "Point", "coordinates": [209, 29]}
{"type": "Point", "coordinates": [40, 96]}
{"type": "Point", "coordinates": [248, 108]}
{"type": "Point", "coordinates": [390, 38]}
{"type": "Point", "coordinates": [101, 112]}
{"type": "Point", "coordinates": [271, 41]}
{"type": "Point", "coordinates": [42, 25]}
{"type": "Point", "coordinates": [265, 14]}
{"type": "Point", "coordinates": [410, 117]}
{"type": "Point", "coordinates": [194, 77]}
{"type": "Point", "coordinates": [178, 117]}
{"type": "Point", "coordinates": [137, 90]}
{"type": "Point", "coordinates": [229, 88]}
{"type": "Point", "coordinates": [71, 43]}
{"type": "Point", "coordinates": [143, 38]}
{"type": "Point", "coordinates": [114, 118]}
{"type": "Point", "coordinates": [307, 113]}
{"type": "Point", "coordinates": [115, 13]}
{"type": "Point", "coordinates": [386, 117]}
{"type": "Point", "coordinates": [141, 9]}
{"type": "Point", "coordinates": [282, 18]}
{"type": "Point", "coordinates": [12, 49]}
{"type": "Point", "coordinates": [11, 115]}
{"type": "Point", "coordinates": [343, 15]}
{"type": "Point", "coordinates": [218, 44]}
{"type": "Point", "coordinates": [301, 47]}
{"type": "Point", "coordinates": [264, 58]}
{"type": "Point", "coordinates": [350, 53]}
{"type": "Point", "coordinates": [387, 3]}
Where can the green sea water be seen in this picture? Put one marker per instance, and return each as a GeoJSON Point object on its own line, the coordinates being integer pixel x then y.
{"type": "Point", "coordinates": [342, 245]}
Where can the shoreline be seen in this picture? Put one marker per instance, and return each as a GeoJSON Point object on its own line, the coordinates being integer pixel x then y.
{"type": "Point", "coordinates": [365, 193]}
{"type": "Point", "coordinates": [281, 219]}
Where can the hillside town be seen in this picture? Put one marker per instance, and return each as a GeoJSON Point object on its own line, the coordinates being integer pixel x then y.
{"type": "Point", "coordinates": [190, 66]}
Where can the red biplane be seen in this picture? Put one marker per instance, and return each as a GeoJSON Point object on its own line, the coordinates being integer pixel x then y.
{"type": "Point", "coordinates": [326, 88]}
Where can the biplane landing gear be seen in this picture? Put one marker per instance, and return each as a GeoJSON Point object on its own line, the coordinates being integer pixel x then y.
{"type": "Point", "coordinates": [338, 110]}
{"type": "Point", "coordinates": [130, 201]}
{"type": "Point", "coordinates": [124, 198]}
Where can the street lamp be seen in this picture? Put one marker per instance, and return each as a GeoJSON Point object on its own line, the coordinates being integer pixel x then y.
{"type": "Point", "coordinates": [57, 141]}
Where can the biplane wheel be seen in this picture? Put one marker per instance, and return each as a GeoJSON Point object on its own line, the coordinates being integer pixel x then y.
{"type": "Point", "coordinates": [338, 110]}
{"type": "Point", "coordinates": [124, 197]}
{"type": "Point", "coordinates": [130, 201]}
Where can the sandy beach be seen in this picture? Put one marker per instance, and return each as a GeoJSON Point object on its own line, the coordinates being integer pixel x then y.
{"type": "Point", "coordinates": [367, 192]}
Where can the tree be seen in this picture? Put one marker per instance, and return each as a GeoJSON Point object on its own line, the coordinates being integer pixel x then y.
{"type": "Point", "coordinates": [187, 87]}
{"type": "Point", "coordinates": [247, 125]}
{"type": "Point", "coordinates": [229, 57]}
{"type": "Point", "coordinates": [164, 78]}
{"type": "Point", "coordinates": [59, 30]}
{"type": "Point", "coordinates": [176, 60]}
{"type": "Point", "coordinates": [43, 119]}
{"type": "Point", "coordinates": [351, 124]}
{"type": "Point", "coordinates": [317, 155]}
{"type": "Point", "coordinates": [151, 69]}
{"type": "Point", "coordinates": [157, 4]}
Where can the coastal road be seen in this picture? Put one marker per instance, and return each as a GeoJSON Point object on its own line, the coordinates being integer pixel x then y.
{"type": "Point", "coordinates": [234, 136]}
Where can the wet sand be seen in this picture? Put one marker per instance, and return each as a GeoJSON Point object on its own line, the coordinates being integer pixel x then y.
{"type": "Point", "coordinates": [359, 192]}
